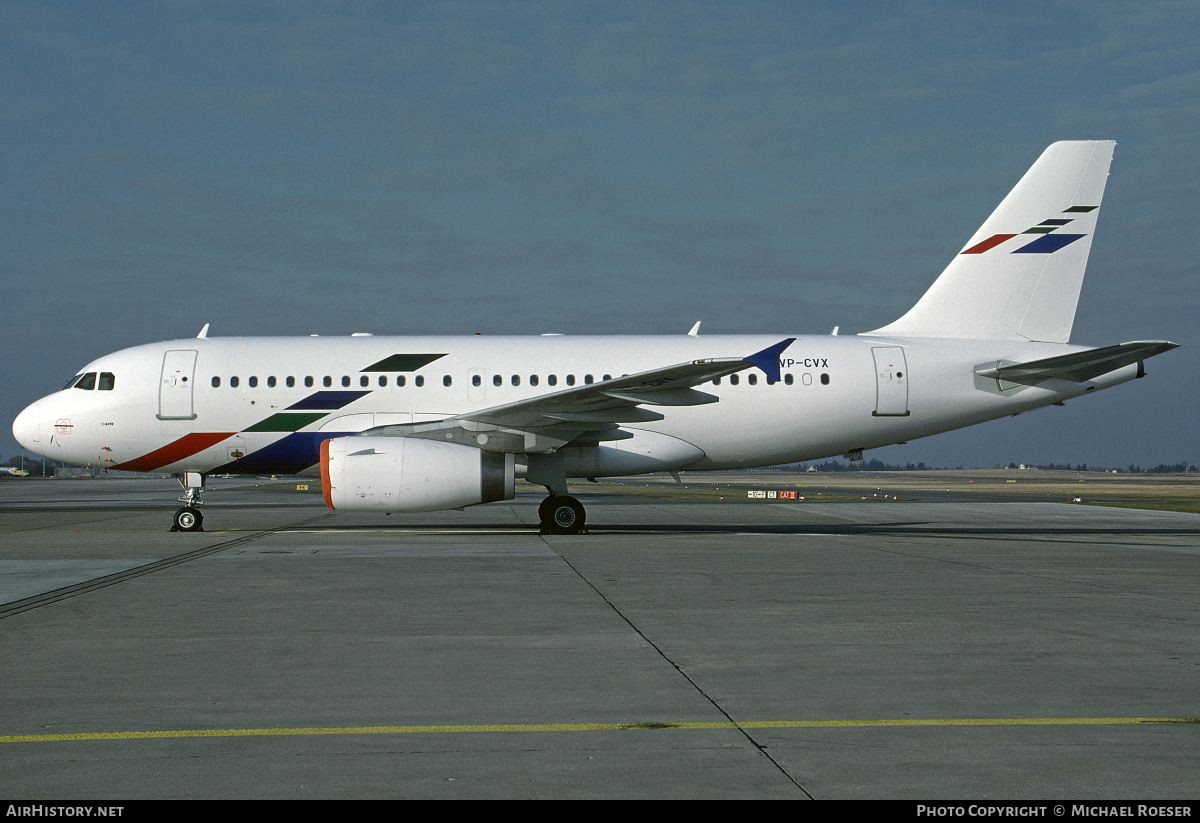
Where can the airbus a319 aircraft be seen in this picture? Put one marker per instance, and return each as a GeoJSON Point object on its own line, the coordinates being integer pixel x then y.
{"type": "Point", "coordinates": [413, 424]}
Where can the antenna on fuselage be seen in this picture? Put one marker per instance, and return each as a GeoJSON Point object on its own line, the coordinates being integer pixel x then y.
{"type": "Point", "coordinates": [203, 333]}
{"type": "Point", "coordinates": [695, 332]}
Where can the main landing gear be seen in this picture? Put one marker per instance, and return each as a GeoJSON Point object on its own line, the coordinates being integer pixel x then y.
{"type": "Point", "coordinates": [189, 518]}
{"type": "Point", "coordinates": [561, 514]}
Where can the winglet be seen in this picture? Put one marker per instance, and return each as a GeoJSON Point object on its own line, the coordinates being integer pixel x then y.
{"type": "Point", "coordinates": [768, 359]}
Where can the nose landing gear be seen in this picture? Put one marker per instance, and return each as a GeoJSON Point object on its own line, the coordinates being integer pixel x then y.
{"type": "Point", "coordinates": [189, 518]}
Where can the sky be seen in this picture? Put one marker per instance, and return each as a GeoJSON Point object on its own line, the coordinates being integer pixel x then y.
{"type": "Point", "coordinates": [525, 167]}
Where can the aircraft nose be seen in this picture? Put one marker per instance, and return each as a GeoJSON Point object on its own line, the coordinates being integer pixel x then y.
{"type": "Point", "coordinates": [26, 428]}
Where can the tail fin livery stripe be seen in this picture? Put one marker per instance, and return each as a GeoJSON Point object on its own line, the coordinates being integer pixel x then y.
{"type": "Point", "coordinates": [990, 243]}
{"type": "Point", "coordinates": [1025, 291]}
{"type": "Point", "coordinates": [1049, 243]}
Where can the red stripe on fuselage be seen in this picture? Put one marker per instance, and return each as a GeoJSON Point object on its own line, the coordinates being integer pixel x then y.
{"type": "Point", "coordinates": [182, 448]}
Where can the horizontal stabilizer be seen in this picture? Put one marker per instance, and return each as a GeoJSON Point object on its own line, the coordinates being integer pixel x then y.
{"type": "Point", "coordinates": [1079, 366]}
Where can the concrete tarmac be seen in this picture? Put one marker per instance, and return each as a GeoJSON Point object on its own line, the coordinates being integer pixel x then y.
{"type": "Point", "coordinates": [737, 649]}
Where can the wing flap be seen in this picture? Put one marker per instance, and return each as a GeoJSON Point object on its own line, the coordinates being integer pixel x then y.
{"type": "Point", "coordinates": [630, 414]}
{"type": "Point", "coordinates": [666, 397]}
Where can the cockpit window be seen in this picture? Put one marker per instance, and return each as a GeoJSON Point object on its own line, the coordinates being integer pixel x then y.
{"type": "Point", "coordinates": [72, 382]}
{"type": "Point", "coordinates": [107, 380]}
{"type": "Point", "coordinates": [87, 382]}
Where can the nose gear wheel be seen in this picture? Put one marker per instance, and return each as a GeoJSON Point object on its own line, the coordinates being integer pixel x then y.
{"type": "Point", "coordinates": [188, 519]}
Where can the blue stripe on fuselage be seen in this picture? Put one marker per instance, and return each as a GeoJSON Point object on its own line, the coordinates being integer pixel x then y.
{"type": "Point", "coordinates": [324, 400]}
{"type": "Point", "coordinates": [288, 455]}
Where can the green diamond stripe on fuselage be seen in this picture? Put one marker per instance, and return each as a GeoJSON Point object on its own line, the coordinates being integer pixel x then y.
{"type": "Point", "coordinates": [403, 362]}
{"type": "Point", "coordinates": [286, 422]}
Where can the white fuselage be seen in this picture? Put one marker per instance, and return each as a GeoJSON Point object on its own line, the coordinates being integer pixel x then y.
{"type": "Point", "coordinates": [265, 404]}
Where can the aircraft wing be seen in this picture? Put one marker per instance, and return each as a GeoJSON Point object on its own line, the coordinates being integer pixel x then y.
{"type": "Point", "coordinates": [550, 420]}
{"type": "Point", "coordinates": [1078, 366]}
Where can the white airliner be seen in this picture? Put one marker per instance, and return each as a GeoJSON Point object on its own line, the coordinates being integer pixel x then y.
{"type": "Point", "coordinates": [411, 424]}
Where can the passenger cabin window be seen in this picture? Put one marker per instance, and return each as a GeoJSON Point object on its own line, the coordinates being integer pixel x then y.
{"type": "Point", "coordinates": [399, 380]}
{"type": "Point", "coordinates": [233, 382]}
{"type": "Point", "coordinates": [497, 380]}
{"type": "Point", "coordinates": [327, 381]}
{"type": "Point", "coordinates": [253, 382]}
{"type": "Point", "coordinates": [216, 381]}
{"type": "Point", "coordinates": [570, 380]}
{"type": "Point", "coordinates": [308, 381]}
{"type": "Point", "coordinates": [291, 381]}
{"type": "Point", "coordinates": [447, 380]}
{"type": "Point", "coordinates": [533, 379]}
{"type": "Point", "coordinates": [552, 380]}
{"type": "Point", "coordinates": [345, 381]}
{"type": "Point", "coordinates": [364, 381]}
{"type": "Point", "coordinates": [419, 380]}
{"type": "Point", "coordinates": [787, 378]}
{"type": "Point", "coordinates": [733, 379]}
{"type": "Point", "coordinates": [752, 379]}
{"type": "Point", "coordinates": [516, 379]}
{"type": "Point", "coordinates": [271, 382]}
{"type": "Point", "coordinates": [382, 380]}
{"type": "Point", "coordinates": [476, 380]}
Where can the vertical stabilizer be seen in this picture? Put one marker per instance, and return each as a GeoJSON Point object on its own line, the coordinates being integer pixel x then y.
{"type": "Point", "coordinates": [1019, 276]}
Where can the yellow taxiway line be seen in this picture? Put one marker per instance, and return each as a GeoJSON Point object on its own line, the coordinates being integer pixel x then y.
{"type": "Point", "coordinates": [525, 728]}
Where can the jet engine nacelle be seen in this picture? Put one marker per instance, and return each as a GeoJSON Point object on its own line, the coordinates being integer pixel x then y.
{"type": "Point", "coordinates": [400, 474]}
